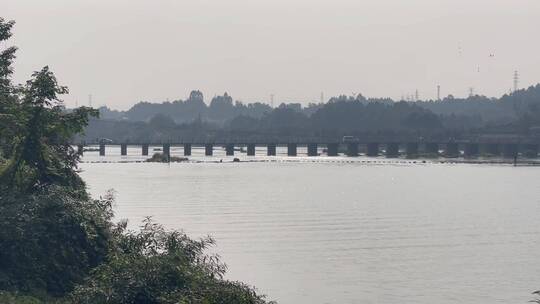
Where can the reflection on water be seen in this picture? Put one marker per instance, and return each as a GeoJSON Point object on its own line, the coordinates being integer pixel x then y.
{"type": "Point", "coordinates": [338, 232]}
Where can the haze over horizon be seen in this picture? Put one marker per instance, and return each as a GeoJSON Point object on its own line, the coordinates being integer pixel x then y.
{"type": "Point", "coordinates": [124, 51]}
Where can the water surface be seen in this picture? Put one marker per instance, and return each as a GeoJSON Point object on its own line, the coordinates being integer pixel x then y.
{"type": "Point", "coordinates": [366, 231]}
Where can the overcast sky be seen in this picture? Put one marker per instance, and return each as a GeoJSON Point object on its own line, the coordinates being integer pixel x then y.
{"type": "Point", "coordinates": [125, 51]}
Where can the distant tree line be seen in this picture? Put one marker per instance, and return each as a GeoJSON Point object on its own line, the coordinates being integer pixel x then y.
{"type": "Point", "coordinates": [516, 113]}
{"type": "Point", "coordinates": [522, 105]}
{"type": "Point", "coordinates": [220, 109]}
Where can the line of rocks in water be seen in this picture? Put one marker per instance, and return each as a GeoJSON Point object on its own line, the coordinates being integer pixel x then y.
{"type": "Point", "coordinates": [375, 161]}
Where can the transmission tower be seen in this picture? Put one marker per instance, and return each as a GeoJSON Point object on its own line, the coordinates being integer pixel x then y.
{"type": "Point", "coordinates": [516, 80]}
{"type": "Point", "coordinates": [272, 100]}
{"type": "Point", "coordinates": [439, 93]}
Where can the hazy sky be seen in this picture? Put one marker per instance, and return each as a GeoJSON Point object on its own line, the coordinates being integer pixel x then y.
{"type": "Point", "coordinates": [124, 51]}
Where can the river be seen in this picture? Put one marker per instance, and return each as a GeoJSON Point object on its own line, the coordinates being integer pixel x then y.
{"type": "Point", "coordinates": [342, 230]}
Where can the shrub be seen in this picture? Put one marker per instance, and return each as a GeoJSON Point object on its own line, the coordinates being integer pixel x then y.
{"type": "Point", "coordinates": [9, 298]}
{"type": "Point", "coordinates": [50, 240]}
{"type": "Point", "coordinates": [158, 266]}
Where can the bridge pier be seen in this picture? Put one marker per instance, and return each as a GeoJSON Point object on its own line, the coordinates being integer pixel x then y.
{"type": "Point", "coordinates": [291, 149]}
{"type": "Point", "coordinates": [372, 149]}
{"type": "Point", "coordinates": [312, 150]}
{"type": "Point", "coordinates": [187, 149]}
{"type": "Point", "coordinates": [352, 149]}
{"type": "Point", "coordinates": [432, 149]}
{"type": "Point", "coordinates": [251, 149]}
{"type": "Point", "coordinates": [229, 149]}
{"type": "Point", "coordinates": [123, 149]}
{"type": "Point", "coordinates": [471, 150]}
{"type": "Point", "coordinates": [209, 149]}
{"type": "Point", "coordinates": [271, 150]}
{"type": "Point", "coordinates": [145, 149]}
{"type": "Point", "coordinates": [510, 150]}
{"type": "Point", "coordinates": [80, 149]}
{"type": "Point", "coordinates": [452, 150]}
{"type": "Point", "coordinates": [492, 149]}
{"type": "Point", "coordinates": [167, 151]}
{"type": "Point", "coordinates": [411, 150]}
{"type": "Point", "coordinates": [530, 150]}
{"type": "Point", "coordinates": [332, 149]}
{"type": "Point", "coordinates": [392, 150]}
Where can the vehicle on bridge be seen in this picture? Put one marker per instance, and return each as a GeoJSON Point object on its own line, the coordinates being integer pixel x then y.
{"type": "Point", "coordinates": [105, 141]}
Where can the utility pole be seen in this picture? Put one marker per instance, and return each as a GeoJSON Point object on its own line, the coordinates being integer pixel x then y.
{"type": "Point", "coordinates": [438, 93]}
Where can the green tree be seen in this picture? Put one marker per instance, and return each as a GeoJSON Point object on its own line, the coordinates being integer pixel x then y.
{"type": "Point", "coordinates": [7, 56]}
{"type": "Point", "coordinates": [57, 245]}
{"type": "Point", "coordinates": [42, 154]}
{"type": "Point", "coordinates": [51, 233]}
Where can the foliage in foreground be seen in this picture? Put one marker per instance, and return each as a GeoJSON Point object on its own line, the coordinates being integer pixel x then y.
{"type": "Point", "coordinates": [10, 298]}
{"type": "Point", "coordinates": [157, 266]}
{"type": "Point", "coordinates": [57, 245]}
{"type": "Point", "coordinates": [51, 240]}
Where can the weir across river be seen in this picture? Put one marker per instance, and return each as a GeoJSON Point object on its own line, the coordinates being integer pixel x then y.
{"type": "Point", "coordinates": [409, 149]}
